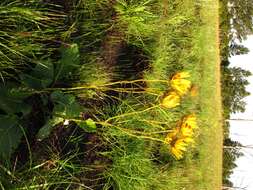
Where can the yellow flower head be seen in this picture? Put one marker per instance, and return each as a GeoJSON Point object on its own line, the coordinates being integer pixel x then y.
{"type": "Point", "coordinates": [180, 83]}
{"type": "Point", "coordinates": [190, 120]}
{"type": "Point", "coordinates": [178, 148]}
{"type": "Point", "coordinates": [178, 154]}
{"type": "Point", "coordinates": [186, 131]}
{"type": "Point", "coordinates": [188, 140]}
{"type": "Point", "coordinates": [188, 124]}
{"type": "Point", "coordinates": [178, 142]}
{"type": "Point", "coordinates": [182, 136]}
{"type": "Point", "coordinates": [171, 100]}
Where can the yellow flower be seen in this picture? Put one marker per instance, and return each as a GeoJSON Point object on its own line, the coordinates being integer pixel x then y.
{"type": "Point", "coordinates": [178, 143]}
{"type": "Point", "coordinates": [178, 148]}
{"type": "Point", "coordinates": [171, 100]}
{"type": "Point", "coordinates": [189, 123]}
{"type": "Point", "coordinates": [190, 120]}
{"type": "Point", "coordinates": [188, 140]}
{"type": "Point", "coordinates": [178, 154]}
{"type": "Point", "coordinates": [180, 83]}
{"type": "Point", "coordinates": [186, 131]}
{"type": "Point", "coordinates": [182, 136]}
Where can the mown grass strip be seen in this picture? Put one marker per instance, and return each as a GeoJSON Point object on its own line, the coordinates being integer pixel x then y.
{"type": "Point", "coordinates": [203, 171]}
{"type": "Point", "coordinates": [210, 98]}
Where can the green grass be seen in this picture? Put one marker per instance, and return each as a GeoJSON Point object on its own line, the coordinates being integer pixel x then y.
{"type": "Point", "coordinates": [205, 171]}
{"type": "Point", "coordinates": [211, 99]}
{"type": "Point", "coordinates": [200, 55]}
{"type": "Point", "coordinates": [127, 151]}
{"type": "Point", "coordinates": [24, 32]}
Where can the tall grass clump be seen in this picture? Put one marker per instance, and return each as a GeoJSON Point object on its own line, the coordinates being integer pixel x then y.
{"type": "Point", "coordinates": [137, 20]}
{"type": "Point", "coordinates": [148, 116]}
{"type": "Point", "coordinates": [174, 43]}
{"type": "Point", "coordinates": [27, 30]}
{"type": "Point", "coordinates": [54, 168]}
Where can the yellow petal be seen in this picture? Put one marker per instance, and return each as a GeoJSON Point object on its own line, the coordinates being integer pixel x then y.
{"type": "Point", "coordinates": [180, 144]}
{"type": "Point", "coordinates": [186, 131]}
{"type": "Point", "coordinates": [178, 154]}
{"type": "Point", "coordinates": [190, 121]}
{"type": "Point", "coordinates": [171, 100]}
{"type": "Point", "coordinates": [182, 86]}
{"type": "Point", "coordinates": [188, 140]}
{"type": "Point", "coordinates": [178, 148]}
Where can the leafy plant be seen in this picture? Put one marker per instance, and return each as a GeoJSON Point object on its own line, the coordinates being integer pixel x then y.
{"type": "Point", "coordinates": [66, 109]}
{"type": "Point", "coordinates": [10, 135]}
{"type": "Point", "coordinates": [14, 107]}
{"type": "Point", "coordinates": [69, 62]}
{"type": "Point", "coordinates": [12, 99]}
{"type": "Point", "coordinates": [41, 76]}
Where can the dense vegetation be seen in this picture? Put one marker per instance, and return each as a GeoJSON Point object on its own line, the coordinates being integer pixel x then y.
{"type": "Point", "coordinates": [109, 94]}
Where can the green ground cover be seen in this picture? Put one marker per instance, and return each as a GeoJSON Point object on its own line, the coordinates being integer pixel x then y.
{"type": "Point", "coordinates": [121, 95]}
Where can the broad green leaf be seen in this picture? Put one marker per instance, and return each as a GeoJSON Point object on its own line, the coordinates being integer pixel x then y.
{"type": "Point", "coordinates": [41, 76]}
{"type": "Point", "coordinates": [61, 98]}
{"type": "Point", "coordinates": [65, 105]}
{"type": "Point", "coordinates": [10, 135]}
{"type": "Point", "coordinates": [45, 131]}
{"type": "Point", "coordinates": [12, 98]}
{"type": "Point", "coordinates": [70, 60]}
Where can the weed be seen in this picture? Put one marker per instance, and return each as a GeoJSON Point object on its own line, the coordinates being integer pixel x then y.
{"type": "Point", "coordinates": [116, 92]}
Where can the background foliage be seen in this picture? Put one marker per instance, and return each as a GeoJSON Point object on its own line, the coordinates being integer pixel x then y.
{"type": "Point", "coordinates": [236, 24]}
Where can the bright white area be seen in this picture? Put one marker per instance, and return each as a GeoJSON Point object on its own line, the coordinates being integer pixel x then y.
{"type": "Point", "coordinates": [242, 131]}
